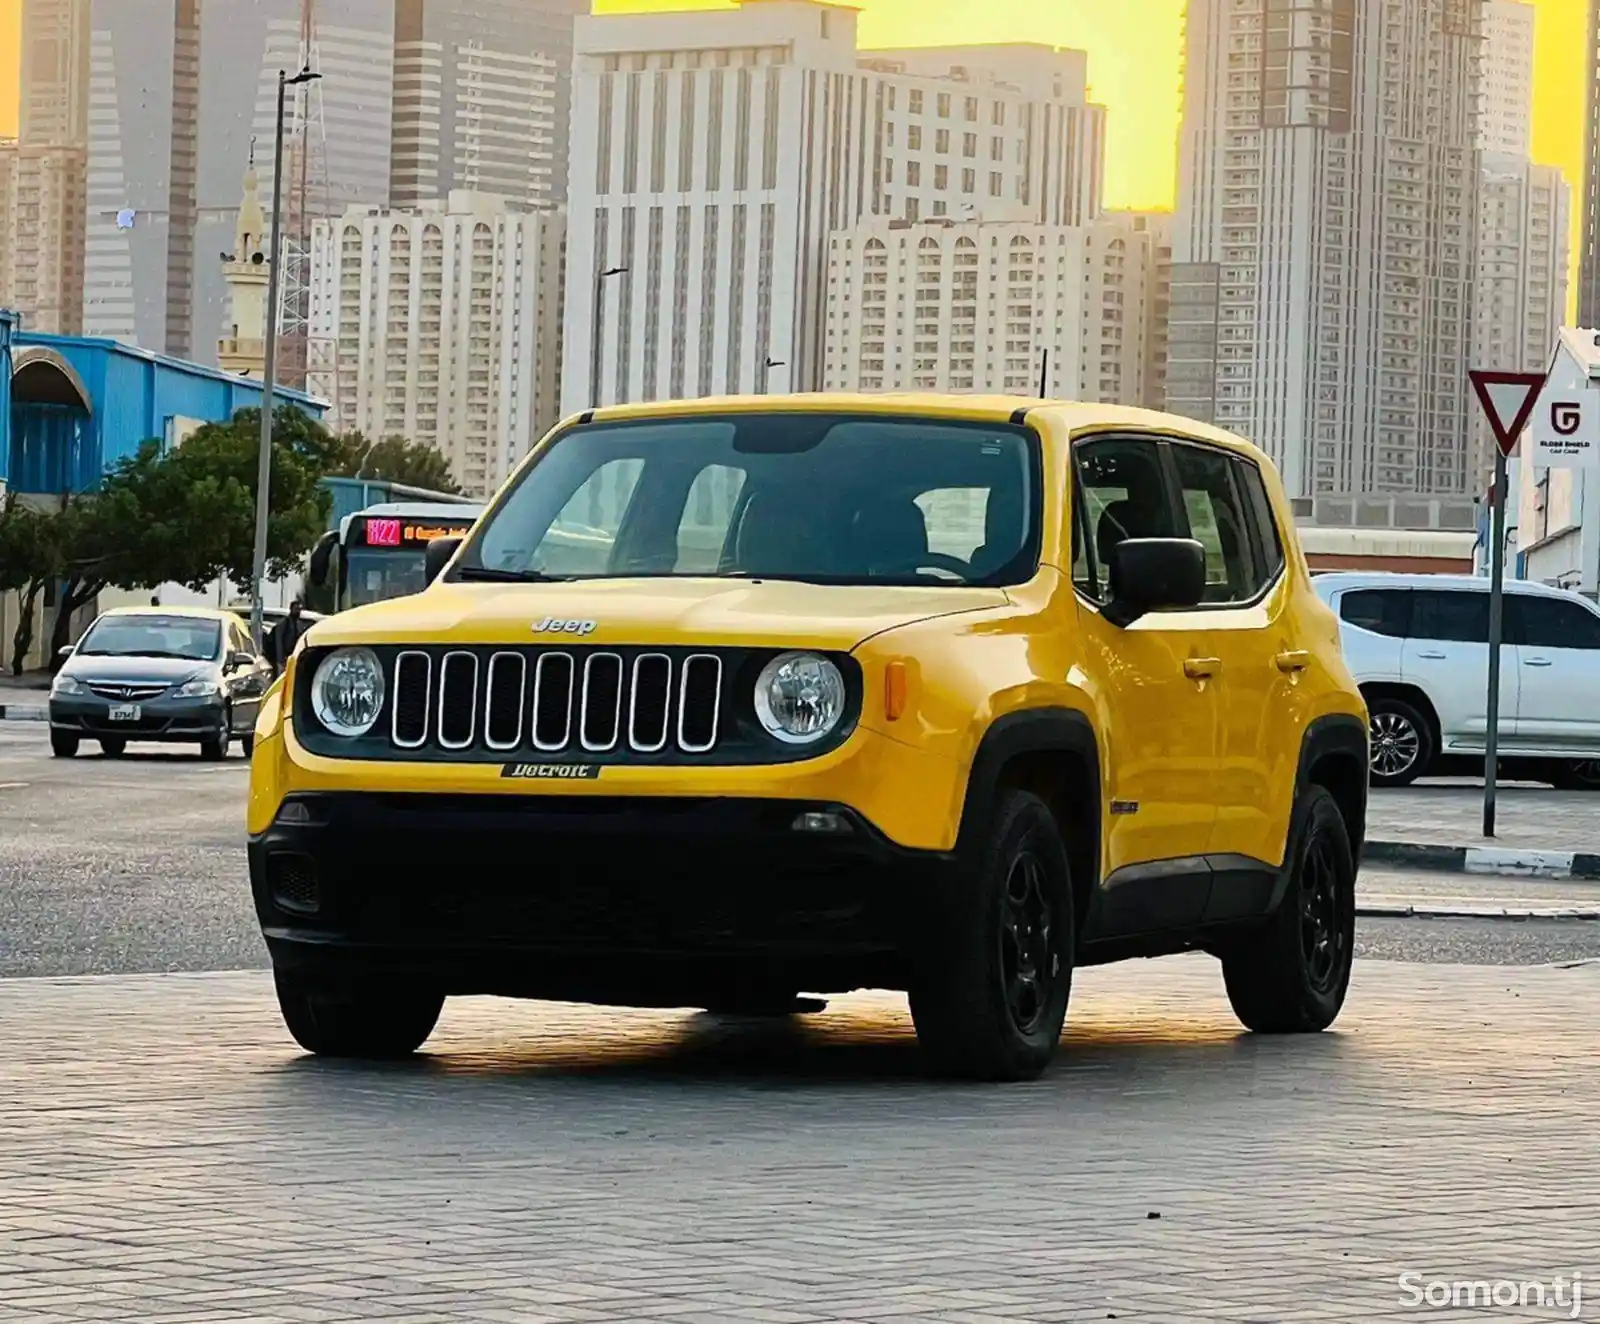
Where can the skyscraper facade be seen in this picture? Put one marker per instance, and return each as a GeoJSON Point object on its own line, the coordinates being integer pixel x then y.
{"type": "Point", "coordinates": [1505, 123]}
{"type": "Point", "coordinates": [1323, 247]}
{"type": "Point", "coordinates": [482, 98]}
{"type": "Point", "coordinates": [446, 324]}
{"type": "Point", "coordinates": [713, 153]}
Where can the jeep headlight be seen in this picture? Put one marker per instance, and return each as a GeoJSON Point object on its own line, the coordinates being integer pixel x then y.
{"type": "Point", "coordinates": [347, 691]}
{"type": "Point", "coordinates": [799, 697]}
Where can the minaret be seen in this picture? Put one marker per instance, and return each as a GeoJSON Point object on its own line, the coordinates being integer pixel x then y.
{"type": "Point", "coordinates": [247, 271]}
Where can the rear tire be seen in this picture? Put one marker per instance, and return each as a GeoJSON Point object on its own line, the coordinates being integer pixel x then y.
{"type": "Point", "coordinates": [1402, 741]}
{"type": "Point", "coordinates": [63, 744]}
{"type": "Point", "coordinates": [994, 973]}
{"type": "Point", "coordinates": [1291, 976]}
{"type": "Point", "coordinates": [370, 1021]}
{"type": "Point", "coordinates": [113, 747]}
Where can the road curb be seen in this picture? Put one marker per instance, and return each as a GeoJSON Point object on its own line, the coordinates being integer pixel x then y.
{"type": "Point", "coordinates": [23, 712]}
{"type": "Point", "coordinates": [1508, 861]}
{"type": "Point", "coordinates": [1426, 911]}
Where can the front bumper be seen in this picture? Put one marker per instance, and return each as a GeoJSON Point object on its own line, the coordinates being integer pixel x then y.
{"type": "Point", "coordinates": [596, 898]}
{"type": "Point", "coordinates": [161, 718]}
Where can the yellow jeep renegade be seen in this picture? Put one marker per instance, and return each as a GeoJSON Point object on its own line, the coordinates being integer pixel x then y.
{"type": "Point", "coordinates": [725, 702]}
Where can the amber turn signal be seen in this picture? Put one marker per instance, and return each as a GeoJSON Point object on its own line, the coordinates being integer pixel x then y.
{"type": "Point", "coordinates": [894, 690]}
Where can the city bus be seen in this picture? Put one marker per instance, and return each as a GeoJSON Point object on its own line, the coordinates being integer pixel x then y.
{"type": "Point", "coordinates": [377, 553]}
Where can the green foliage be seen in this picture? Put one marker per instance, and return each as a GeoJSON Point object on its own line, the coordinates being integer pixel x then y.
{"type": "Point", "coordinates": [394, 460]}
{"type": "Point", "coordinates": [31, 556]}
{"type": "Point", "coordinates": [186, 515]}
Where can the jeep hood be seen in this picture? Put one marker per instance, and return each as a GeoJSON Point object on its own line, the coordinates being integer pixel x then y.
{"type": "Point", "coordinates": [731, 613]}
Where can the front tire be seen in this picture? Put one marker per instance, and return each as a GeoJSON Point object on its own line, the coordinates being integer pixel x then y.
{"type": "Point", "coordinates": [247, 745]}
{"type": "Point", "coordinates": [63, 744]}
{"type": "Point", "coordinates": [113, 747]}
{"type": "Point", "coordinates": [1292, 976]}
{"type": "Point", "coordinates": [1401, 741]}
{"type": "Point", "coordinates": [376, 1023]}
{"type": "Point", "coordinates": [215, 749]}
{"type": "Point", "coordinates": [992, 980]}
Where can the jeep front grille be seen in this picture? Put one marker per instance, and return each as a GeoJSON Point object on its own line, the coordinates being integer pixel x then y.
{"type": "Point", "coordinates": [538, 701]}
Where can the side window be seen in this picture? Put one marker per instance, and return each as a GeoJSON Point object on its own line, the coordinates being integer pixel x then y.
{"type": "Point", "coordinates": [1218, 520]}
{"type": "Point", "coordinates": [1377, 610]}
{"type": "Point", "coordinates": [1551, 623]}
{"type": "Point", "coordinates": [1269, 542]}
{"type": "Point", "coordinates": [1122, 493]}
{"type": "Point", "coordinates": [1450, 616]}
{"type": "Point", "coordinates": [239, 641]}
{"type": "Point", "coordinates": [707, 517]}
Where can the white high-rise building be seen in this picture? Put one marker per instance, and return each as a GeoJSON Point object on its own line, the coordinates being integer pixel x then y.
{"type": "Point", "coordinates": [481, 93]}
{"type": "Point", "coordinates": [1505, 123]}
{"type": "Point", "coordinates": [1520, 297]}
{"type": "Point", "coordinates": [975, 307]}
{"type": "Point", "coordinates": [445, 322]}
{"type": "Point", "coordinates": [1323, 248]}
{"type": "Point", "coordinates": [713, 153]}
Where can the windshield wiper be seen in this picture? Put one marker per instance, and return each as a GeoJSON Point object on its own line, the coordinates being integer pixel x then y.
{"type": "Point", "coordinates": [488, 574]}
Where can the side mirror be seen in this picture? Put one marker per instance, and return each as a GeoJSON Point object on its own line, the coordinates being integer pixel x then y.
{"type": "Point", "coordinates": [1154, 574]}
{"type": "Point", "coordinates": [67, 651]}
{"type": "Point", "coordinates": [240, 661]}
{"type": "Point", "coordinates": [321, 555]}
{"type": "Point", "coordinates": [438, 555]}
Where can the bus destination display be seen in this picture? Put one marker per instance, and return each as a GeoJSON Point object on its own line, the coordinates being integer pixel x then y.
{"type": "Point", "coordinates": [385, 531]}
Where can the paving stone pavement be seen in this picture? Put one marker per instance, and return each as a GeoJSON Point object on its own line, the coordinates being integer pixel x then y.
{"type": "Point", "coordinates": [166, 1155]}
{"type": "Point", "coordinates": [1451, 814]}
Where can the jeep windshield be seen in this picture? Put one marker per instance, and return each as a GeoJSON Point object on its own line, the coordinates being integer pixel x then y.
{"type": "Point", "coordinates": [813, 497]}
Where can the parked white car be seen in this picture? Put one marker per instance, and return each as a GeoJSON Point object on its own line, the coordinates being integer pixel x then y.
{"type": "Point", "coordinates": [1418, 647]}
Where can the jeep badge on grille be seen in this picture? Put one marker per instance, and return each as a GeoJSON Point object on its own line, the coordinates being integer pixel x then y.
{"type": "Point", "coordinates": [555, 625]}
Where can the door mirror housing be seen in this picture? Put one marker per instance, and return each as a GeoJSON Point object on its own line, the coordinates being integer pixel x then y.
{"type": "Point", "coordinates": [1154, 574]}
{"type": "Point", "coordinates": [238, 660]}
{"type": "Point", "coordinates": [438, 555]}
{"type": "Point", "coordinates": [66, 651]}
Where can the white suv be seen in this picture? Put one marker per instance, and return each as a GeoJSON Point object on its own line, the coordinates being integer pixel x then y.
{"type": "Point", "coordinates": [1418, 647]}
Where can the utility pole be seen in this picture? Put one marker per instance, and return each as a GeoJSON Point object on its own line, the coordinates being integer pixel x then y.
{"type": "Point", "coordinates": [258, 569]}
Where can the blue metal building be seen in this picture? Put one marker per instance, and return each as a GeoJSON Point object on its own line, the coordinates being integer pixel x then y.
{"type": "Point", "coordinates": [70, 407]}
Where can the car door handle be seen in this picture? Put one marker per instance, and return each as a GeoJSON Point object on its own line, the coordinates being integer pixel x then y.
{"type": "Point", "coordinates": [1201, 668]}
{"type": "Point", "coordinates": [1295, 659]}
{"type": "Point", "coordinates": [1432, 657]}
{"type": "Point", "coordinates": [1536, 662]}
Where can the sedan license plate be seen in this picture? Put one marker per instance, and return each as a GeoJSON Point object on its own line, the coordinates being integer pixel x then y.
{"type": "Point", "coordinates": [124, 712]}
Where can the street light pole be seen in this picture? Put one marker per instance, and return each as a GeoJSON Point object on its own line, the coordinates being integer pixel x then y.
{"type": "Point", "coordinates": [600, 279]}
{"type": "Point", "coordinates": [770, 365]}
{"type": "Point", "coordinates": [258, 569]}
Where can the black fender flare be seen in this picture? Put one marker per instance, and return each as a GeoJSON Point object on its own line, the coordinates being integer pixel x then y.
{"type": "Point", "coordinates": [1054, 730]}
{"type": "Point", "coordinates": [1344, 736]}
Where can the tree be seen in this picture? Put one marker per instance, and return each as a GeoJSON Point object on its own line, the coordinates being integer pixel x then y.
{"type": "Point", "coordinates": [188, 515]}
{"type": "Point", "coordinates": [394, 460]}
{"type": "Point", "coordinates": [30, 559]}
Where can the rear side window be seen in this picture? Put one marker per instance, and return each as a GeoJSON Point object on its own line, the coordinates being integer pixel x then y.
{"type": "Point", "coordinates": [1216, 509]}
{"type": "Point", "coordinates": [1378, 610]}
{"type": "Point", "coordinates": [1270, 545]}
{"type": "Point", "coordinates": [1460, 616]}
{"type": "Point", "coordinates": [1539, 622]}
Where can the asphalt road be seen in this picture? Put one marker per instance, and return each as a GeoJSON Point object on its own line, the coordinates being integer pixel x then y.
{"type": "Point", "coordinates": [136, 865]}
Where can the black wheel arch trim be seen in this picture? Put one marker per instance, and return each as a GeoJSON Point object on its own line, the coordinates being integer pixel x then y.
{"type": "Point", "coordinates": [1064, 731]}
{"type": "Point", "coordinates": [1339, 736]}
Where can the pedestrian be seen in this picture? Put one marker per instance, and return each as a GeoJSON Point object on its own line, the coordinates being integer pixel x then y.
{"type": "Point", "coordinates": [283, 637]}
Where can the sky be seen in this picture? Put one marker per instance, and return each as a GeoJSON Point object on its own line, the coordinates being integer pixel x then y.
{"type": "Point", "coordinates": [1135, 58]}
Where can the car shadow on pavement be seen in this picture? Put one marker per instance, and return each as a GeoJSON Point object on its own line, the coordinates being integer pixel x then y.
{"type": "Point", "coordinates": [1146, 1055]}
